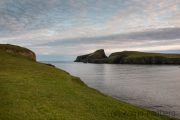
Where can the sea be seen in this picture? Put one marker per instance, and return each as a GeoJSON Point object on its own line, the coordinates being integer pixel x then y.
{"type": "Point", "coordinates": [154, 87]}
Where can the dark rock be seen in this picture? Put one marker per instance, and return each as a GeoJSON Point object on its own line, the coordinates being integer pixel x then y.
{"type": "Point", "coordinates": [91, 58]}
{"type": "Point", "coordinates": [48, 64]}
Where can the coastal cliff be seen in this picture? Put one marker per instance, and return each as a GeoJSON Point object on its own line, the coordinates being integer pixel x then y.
{"type": "Point", "coordinates": [135, 57]}
{"type": "Point", "coordinates": [92, 57]}
{"type": "Point", "coordinates": [19, 50]}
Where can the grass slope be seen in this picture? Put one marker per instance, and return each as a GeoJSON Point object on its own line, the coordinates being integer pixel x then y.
{"type": "Point", "coordinates": [18, 50]}
{"type": "Point", "coordinates": [34, 91]}
{"type": "Point", "coordinates": [135, 57]}
{"type": "Point", "coordinates": [136, 54]}
{"type": "Point", "coordinates": [13, 47]}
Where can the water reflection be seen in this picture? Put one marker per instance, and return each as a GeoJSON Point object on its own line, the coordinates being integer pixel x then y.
{"type": "Point", "coordinates": [155, 87]}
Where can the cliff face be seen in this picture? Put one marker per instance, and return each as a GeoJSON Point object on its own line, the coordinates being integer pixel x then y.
{"type": "Point", "coordinates": [19, 50]}
{"type": "Point", "coordinates": [151, 60]}
{"type": "Point", "coordinates": [91, 58]}
{"type": "Point", "coordinates": [134, 57]}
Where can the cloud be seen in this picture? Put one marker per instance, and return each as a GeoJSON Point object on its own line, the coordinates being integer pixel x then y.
{"type": "Point", "coordinates": [68, 26]}
{"type": "Point", "coordinates": [159, 39]}
{"type": "Point", "coordinates": [148, 35]}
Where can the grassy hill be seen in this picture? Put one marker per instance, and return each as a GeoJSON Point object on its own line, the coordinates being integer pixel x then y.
{"type": "Point", "coordinates": [136, 54]}
{"type": "Point", "coordinates": [31, 90]}
{"type": "Point", "coordinates": [18, 50]}
{"type": "Point", "coordinates": [135, 57]}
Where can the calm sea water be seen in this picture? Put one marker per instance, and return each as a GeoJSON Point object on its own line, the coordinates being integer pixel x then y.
{"type": "Point", "coordinates": [155, 87]}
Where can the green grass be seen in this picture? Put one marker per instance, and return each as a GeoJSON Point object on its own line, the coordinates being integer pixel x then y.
{"type": "Point", "coordinates": [18, 50]}
{"type": "Point", "coordinates": [13, 47]}
{"type": "Point", "coordinates": [34, 91]}
{"type": "Point", "coordinates": [97, 52]}
{"type": "Point", "coordinates": [135, 54]}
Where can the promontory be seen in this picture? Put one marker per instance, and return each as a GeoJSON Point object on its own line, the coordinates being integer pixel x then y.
{"type": "Point", "coordinates": [129, 57]}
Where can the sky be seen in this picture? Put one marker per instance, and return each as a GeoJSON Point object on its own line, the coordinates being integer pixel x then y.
{"type": "Point", "coordinates": [60, 30]}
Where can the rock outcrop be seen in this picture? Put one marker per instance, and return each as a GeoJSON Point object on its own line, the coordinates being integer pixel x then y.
{"type": "Point", "coordinates": [133, 57]}
{"type": "Point", "coordinates": [19, 50]}
{"type": "Point", "coordinates": [91, 58]}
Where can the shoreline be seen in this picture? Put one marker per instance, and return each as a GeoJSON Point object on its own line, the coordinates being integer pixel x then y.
{"type": "Point", "coordinates": [149, 111]}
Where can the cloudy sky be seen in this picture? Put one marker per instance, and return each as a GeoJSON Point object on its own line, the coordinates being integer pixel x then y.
{"type": "Point", "coordinates": [63, 29]}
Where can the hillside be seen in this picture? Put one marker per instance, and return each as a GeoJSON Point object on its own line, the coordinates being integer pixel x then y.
{"type": "Point", "coordinates": [18, 50]}
{"type": "Point", "coordinates": [135, 57]}
{"type": "Point", "coordinates": [30, 90]}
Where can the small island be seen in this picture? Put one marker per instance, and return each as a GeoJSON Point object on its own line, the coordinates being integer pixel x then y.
{"type": "Point", "coordinates": [129, 57]}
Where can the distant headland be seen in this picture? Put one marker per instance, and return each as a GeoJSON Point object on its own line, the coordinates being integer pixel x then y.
{"type": "Point", "coordinates": [129, 57]}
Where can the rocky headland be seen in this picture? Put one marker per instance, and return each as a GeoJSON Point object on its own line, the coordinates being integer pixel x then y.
{"type": "Point", "coordinates": [129, 57]}
{"type": "Point", "coordinates": [92, 57]}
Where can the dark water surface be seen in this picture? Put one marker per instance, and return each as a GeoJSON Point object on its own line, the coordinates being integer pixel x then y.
{"type": "Point", "coordinates": [155, 87]}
